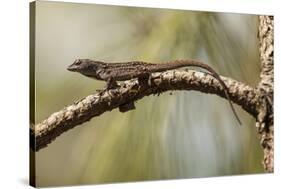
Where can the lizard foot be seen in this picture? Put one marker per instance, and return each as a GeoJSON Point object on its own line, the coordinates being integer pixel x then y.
{"type": "Point", "coordinates": [110, 84]}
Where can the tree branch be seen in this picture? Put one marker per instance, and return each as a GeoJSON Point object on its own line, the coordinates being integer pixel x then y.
{"type": "Point", "coordinates": [94, 105]}
{"type": "Point", "coordinates": [265, 117]}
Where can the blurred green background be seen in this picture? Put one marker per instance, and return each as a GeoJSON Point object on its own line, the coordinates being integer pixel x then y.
{"type": "Point", "coordinates": [184, 135]}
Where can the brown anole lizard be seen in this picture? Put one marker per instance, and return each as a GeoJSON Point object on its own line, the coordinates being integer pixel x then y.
{"type": "Point", "coordinates": [112, 72]}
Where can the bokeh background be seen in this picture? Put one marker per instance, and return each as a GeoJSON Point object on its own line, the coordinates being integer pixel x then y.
{"type": "Point", "coordinates": [185, 134]}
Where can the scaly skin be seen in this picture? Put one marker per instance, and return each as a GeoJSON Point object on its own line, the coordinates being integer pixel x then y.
{"type": "Point", "coordinates": [112, 72]}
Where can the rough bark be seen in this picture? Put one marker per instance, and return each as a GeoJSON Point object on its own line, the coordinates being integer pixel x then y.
{"type": "Point", "coordinates": [265, 117]}
{"type": "Point", "coordinates": [131, 91]}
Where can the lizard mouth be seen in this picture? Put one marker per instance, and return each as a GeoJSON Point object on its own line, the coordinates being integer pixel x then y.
{"type": "Point", "coordinates": [72, 68]}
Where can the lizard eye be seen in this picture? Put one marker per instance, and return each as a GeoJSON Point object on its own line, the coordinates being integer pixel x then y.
{"type": "Point", "coordinates": [78, 62]}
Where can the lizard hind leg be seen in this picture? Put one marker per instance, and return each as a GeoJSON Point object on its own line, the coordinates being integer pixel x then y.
{"type": "Point", "coordinates": [145, 79]}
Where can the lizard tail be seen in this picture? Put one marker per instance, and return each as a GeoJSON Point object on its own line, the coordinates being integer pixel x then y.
{"type": "Point", "coordinates": [215, 75]}
{"type": "Point", "coordinates": [230, 103]}
{"type": "Point", "coordinates": [225, 89]}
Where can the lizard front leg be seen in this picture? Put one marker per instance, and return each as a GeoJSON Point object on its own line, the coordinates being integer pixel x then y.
{"type": "Point", "coordinates": [110, 84]}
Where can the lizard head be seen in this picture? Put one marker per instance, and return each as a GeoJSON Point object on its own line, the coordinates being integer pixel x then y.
{"type": "Point", "coordinates": [86, 67]}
